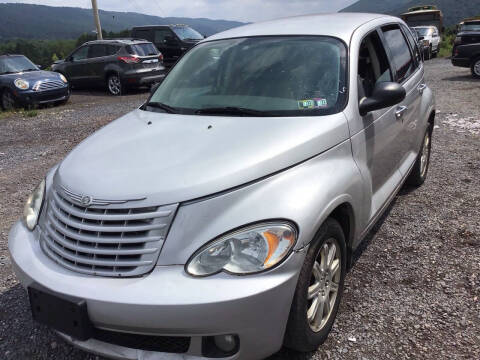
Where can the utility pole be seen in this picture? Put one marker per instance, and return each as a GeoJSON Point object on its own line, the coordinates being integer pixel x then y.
{"type": "Point", "coordinates": [97, 20]}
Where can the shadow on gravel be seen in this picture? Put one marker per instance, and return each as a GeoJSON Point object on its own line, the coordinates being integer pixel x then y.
{"type": "Point", "coordinates": [462, 78]}
{"type": "Point", "coordinates": [102, 92]}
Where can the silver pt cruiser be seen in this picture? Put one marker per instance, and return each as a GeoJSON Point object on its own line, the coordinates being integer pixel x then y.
{"type": "Point", "coordinates": [220, 218]}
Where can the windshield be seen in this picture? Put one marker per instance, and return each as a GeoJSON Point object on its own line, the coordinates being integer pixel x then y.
{"type": "Point", "coordinates": [278, 76]}
{"type": "Point", "coordinates": [473, 26]}
{"type": "Point", "coordinates": [187, 33]}
{"type": "Point", "coordinates": [16, 64]}
{"type": "Point", "coordinates": [424, 31]}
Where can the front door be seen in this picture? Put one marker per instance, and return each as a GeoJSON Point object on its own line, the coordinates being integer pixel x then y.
{"type": "Point", "coordinates": [76, 71]}
{"type": "Point", "coordinates": [409, 73]}
{"type": "Point", "coordinates": [168, 44]}
{"type": "Point", "coordinates": [376, 137]}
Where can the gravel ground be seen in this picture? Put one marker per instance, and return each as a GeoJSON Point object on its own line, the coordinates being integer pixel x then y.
{"type": "Point", "coordinates": [414, 289]}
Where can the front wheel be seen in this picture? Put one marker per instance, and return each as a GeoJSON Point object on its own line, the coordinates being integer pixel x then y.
{"type": "Point", "coordinates": [8, 100]}
{"type": "Point", "coordinates": [319, 290]}
{"type": "Point", "coordinates": [420, 169]}
{"type": "Point", "coordinates": [114, 85]}
{"type": "Point", "coordinates": [476, 68]}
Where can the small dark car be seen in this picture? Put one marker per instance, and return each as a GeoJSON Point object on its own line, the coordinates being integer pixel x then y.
{"type": "Point", "coordinates": [117, 64]}
{"type": "Point", "coordinates": [172, 40]}
{"type": "Point", "coordinates": [22, 83]}
{"type": "Point", "coordinates": [466, 48]}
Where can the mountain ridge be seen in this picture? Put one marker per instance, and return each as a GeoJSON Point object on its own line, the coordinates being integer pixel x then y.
{"type": "Point", "coordinates": [27, 21]}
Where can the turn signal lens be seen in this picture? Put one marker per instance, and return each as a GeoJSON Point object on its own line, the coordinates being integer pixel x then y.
{"type": "Point", "coordinates": [246, 251]}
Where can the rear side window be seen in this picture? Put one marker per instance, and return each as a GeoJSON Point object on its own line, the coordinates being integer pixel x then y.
{"type": "Point", "coordinates": [161, 35]}
{"type": "Point", "coordinates": [400, 52]}
{"type": "Point", "coordinates": [112, 49]}
{"type": "Point", "coordinates": [144, 49]}
{"type": "Point", "coordinates": [143, 34]}
{"type": "Point", "coordinates": [97, 50]}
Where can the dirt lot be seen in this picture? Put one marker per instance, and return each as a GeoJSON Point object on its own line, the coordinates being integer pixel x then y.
{"type": "Point", "coordinates": [414, 291]}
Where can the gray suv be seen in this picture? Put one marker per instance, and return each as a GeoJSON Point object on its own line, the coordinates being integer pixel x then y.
{"type": "Point", "coordinates": [117, 64]}
{"type": "Point", "coordinates": [219, 219]}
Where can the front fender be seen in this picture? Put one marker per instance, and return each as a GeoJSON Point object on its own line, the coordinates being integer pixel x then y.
{"type": "Point", "coordinates": [305, 194]}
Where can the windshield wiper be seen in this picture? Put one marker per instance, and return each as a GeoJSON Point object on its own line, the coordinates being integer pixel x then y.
{"type": "Point", "coordinates": [230, 110]}
{"type": "Point", "coordinates": [162, 106]}
{"type": "Point", "coordinates": [29, 70]}
{"type": "Point", "coordinates": [9, 72]}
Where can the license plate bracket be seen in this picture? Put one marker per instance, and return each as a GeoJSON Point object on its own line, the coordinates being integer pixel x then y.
{"type": "Point", "coordinates": [64, 314]}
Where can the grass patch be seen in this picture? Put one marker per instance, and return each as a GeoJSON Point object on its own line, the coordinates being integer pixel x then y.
{"type": "Point", "coordinates": [30, 113]}
{"type": "Point", "coordinates": [446, 46]}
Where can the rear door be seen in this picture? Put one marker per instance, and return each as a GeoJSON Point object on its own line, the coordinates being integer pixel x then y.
{"type": "Point", "coordinates": [409, 73]}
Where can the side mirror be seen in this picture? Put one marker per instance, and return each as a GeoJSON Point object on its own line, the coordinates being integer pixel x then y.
{"type": "Point", "coordinates": [154, 87]}
{"type": "Point", "coordinates": [421, 38]}
{"type": "Point", "coordinates": [385, 94]}
{"type": "Point", "coordinates": [170, 40]}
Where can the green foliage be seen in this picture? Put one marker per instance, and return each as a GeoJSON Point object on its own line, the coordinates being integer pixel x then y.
{"type": "Point", "coordinates": [446, 46]}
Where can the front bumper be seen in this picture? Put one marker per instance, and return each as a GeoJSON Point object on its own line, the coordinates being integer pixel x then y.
{"type": "Point", "coordinates": [31, 97]}
{"type": "Point", "coordinates": [168, 302]}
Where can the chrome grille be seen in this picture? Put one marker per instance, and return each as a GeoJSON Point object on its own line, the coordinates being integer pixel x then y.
{"type": "Point", "coordinates": [102, 240]}
{"type": "Point", "coordinates": [48, 85]}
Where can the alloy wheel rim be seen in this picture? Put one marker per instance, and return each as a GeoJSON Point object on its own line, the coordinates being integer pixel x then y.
{"type": "Point", "coordinates": [8, 101]}
{"type": "Point", "coordinates": [425, 155]}
{"type": "Point", "coordinates": [324, 285]}
{"type": "Point", "coordinates": [476, 68]}
{"type": "Point", "coordinates": [114, 85]}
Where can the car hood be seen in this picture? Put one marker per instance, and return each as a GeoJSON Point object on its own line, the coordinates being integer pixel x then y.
{"type": "Point", "coordinates": [33, 76]}
{"type": "Point", "coordinates": [170, 158]}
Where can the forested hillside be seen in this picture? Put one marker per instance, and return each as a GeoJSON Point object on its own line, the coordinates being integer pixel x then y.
{"type": "Point", "coordinates": [46, 22]}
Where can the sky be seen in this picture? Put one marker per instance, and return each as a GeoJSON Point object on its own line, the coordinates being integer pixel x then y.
{"type": "Point", "coordinates": [241, 10]}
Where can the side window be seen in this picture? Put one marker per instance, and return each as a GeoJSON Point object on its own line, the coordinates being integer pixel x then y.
{"type": "Point", "coordinates": [80, 54]}
{"type": "Point", "coordinates": [161, 36]}
{"type": "Point", "coordinates": [143, 34]}
{"type": "Point", "coordinates": [97, 50]}
{"type": "Point", "coordinates": [373, 65]}
{"type": "Point", "coordinates": [413, 45]}
{"type": "Point", "coordinates": [112, 49]}
{"type": "Point", "coordinates": [400, 52]}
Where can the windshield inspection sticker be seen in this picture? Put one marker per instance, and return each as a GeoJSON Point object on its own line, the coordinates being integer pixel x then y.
{"type": "Point", "coordinates": [317, 103]}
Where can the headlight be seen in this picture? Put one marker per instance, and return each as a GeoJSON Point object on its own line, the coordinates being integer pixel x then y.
{"type": "Point", "coordinates": [33, 206]}
{"type": "Point", "coordinates": [64, 79]}
{"type": "Point", "coordinates": [426, 43]}
{"type": "Point", "coordinates": [249, 250]}
{"type": "Point", "coordinates": [21, 84]}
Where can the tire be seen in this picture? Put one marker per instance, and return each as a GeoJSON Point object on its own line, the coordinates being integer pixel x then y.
{"type": "Point", "coordinates": [306, 332]}
{"type": "Point", "coordinates": [114, 85]}
{"type": "Point", "coordinates": [420, 169]}
{"type": "Point", "coordinates": [476, 68]}
{"type": "Point", "coordinates": [7, 100]}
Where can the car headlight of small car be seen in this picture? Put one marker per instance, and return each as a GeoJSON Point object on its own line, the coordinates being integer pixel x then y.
{"type": "Point", "coordinates": [63, 78]}
{"type": "Point", "coordinates": [32, 209]}
{"type": "Point", "coordinates": [21, 84]}
{"type": "Point", "coordinates": [249, 250]}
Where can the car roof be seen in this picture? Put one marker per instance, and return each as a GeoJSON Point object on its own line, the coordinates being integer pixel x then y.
{"type": "Point", "coordinates": [10, 55]}
{"type": "Point", "coordinates": [124, 41]}
{"type": "Point", "coordinates": [340, 25]}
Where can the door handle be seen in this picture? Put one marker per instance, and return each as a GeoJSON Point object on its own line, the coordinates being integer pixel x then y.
{"type": "Point", "coordinates": [400, 110]}
{"type": "Point", "coordinates": [421, 87]}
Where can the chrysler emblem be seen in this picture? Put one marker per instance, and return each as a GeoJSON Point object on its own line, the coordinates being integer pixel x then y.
{"type": "Point", "coordinates": [86, 200]}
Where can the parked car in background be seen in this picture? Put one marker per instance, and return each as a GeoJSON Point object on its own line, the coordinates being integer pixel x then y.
{"type": "Point", "coordinates": [172, 40]}
{"type": "Point", "coordinates": [472, 24]}
{"type": "Point", "coordinates": [466, 49]}
{"type": "Point", "coordinates": [430, 37]}
{"type": "Point", "coordinates": [22, 83]}
{"type": "Point", "coordinates": [218, 220]}
{"type": "Point", "coordinates": [419, 41]}
{"type": "Point", "coordinates": [424, 15]}
{"type": "Point", "coordinates": [118, 64]}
